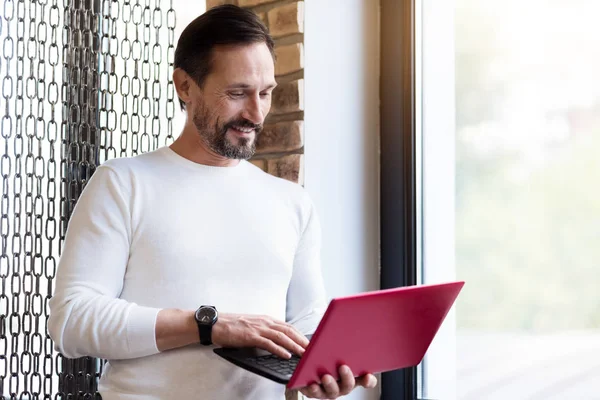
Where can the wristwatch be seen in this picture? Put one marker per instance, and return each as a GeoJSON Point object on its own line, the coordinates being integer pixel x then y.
{"type": "Point", "coordinates": [206, 317]}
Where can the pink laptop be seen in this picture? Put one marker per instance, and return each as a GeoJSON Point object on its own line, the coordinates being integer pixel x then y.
{"type": "Point", "coordinates": [370, 332]}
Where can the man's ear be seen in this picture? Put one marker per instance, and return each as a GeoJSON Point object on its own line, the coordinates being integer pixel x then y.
{"type": "Point", "coordinates": [183, 85]}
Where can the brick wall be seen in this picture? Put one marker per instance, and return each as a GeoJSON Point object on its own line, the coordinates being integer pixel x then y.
{"type": "Point", "coordinates": [280, 147]}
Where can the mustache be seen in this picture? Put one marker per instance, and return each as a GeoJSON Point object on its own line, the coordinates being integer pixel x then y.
{"type": "Point", "coordinates": [243, 123]}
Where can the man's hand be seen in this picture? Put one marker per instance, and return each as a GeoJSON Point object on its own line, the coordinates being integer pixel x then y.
{"type": "Point", "coordinates": [330, 389]}
{"type": "Point", "coordinates": [277, 337]}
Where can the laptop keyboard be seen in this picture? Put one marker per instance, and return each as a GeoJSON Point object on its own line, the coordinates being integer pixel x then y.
{"type": "Point", "coordinates": [277, 364]}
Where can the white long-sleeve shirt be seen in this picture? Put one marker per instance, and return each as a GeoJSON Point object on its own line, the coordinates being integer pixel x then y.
{"type": "Point", "coordinates": [159, 231]}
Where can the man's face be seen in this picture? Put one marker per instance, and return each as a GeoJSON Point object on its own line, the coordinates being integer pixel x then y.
{"type": "Point", "coordinates": [230, 109]}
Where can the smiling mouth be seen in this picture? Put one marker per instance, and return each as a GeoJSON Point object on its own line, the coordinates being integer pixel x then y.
{"type": "Point", "coordinates": [242, 131]}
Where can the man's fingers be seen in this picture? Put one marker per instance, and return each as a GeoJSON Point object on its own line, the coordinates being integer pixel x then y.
{"type": "Point", "coordinates": [314, 391]}
{"type": "Point", "coordinates": [368, 381]}
{"type": "Point", "coordinates": [331, 387]}
{"type": "Point", "coordinates": [347, 381]}
{"type": "Point", "coordinates": [272, 347]}
{"type": "Point", "coordinates": [292, 333]}
{"type": "Point", "coordinates": [283, 340]}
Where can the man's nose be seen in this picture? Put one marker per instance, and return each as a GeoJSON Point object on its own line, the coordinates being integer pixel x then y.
{"type": "Point", "coordinates": [253, 111]}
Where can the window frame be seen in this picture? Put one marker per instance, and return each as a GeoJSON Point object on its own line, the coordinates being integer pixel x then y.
{"type": "Point", "coordinates": [398, 168]}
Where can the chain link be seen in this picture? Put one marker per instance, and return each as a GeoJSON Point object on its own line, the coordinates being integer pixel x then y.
{"type": "Point", "coordinates": [171, 20]}
{"type": "Point", "coordinates": [51, 225]}
{"type": "Point", "coordinates": [71, 76]}
{"type": "Point", "coordinates": [79, 141]}
{"type": "Point", "coordinates": [6, 130]}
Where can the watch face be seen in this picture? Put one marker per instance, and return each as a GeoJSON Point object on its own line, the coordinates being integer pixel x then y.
{"type": "Point", "coordinates": [206, 315]}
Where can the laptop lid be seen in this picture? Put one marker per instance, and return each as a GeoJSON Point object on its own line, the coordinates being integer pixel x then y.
{"type": "Point", "coordinates": [376, 331]}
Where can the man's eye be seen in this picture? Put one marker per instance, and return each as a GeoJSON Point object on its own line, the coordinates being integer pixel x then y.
{"type": "Point", "coordinates": [236, 94]}
{"type": "Point", "coordinates": [264, 95]}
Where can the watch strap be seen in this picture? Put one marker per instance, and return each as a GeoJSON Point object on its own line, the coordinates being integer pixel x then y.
{"type": "Point", "coordinates": [205, 334]}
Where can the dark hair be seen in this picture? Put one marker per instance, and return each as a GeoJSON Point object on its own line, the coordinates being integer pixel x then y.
{"type": "Point", "coordinates": [222, 25]}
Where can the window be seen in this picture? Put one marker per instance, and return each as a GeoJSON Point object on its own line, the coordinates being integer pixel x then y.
{"type": "Point", "coordinates": [511, 133]}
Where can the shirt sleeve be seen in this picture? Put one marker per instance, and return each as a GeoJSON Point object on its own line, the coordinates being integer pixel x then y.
{"type": "Point", "coordinates": [306, 300]}
{"type": "Point", "coordinates": [87, 318]}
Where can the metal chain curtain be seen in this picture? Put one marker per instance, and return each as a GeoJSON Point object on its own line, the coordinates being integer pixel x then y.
{"type": "Point", "coordinates": [83, 81]}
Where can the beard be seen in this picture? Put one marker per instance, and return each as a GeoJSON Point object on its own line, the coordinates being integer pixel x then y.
{"type": "Point", "coordinates": [215, 137]}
